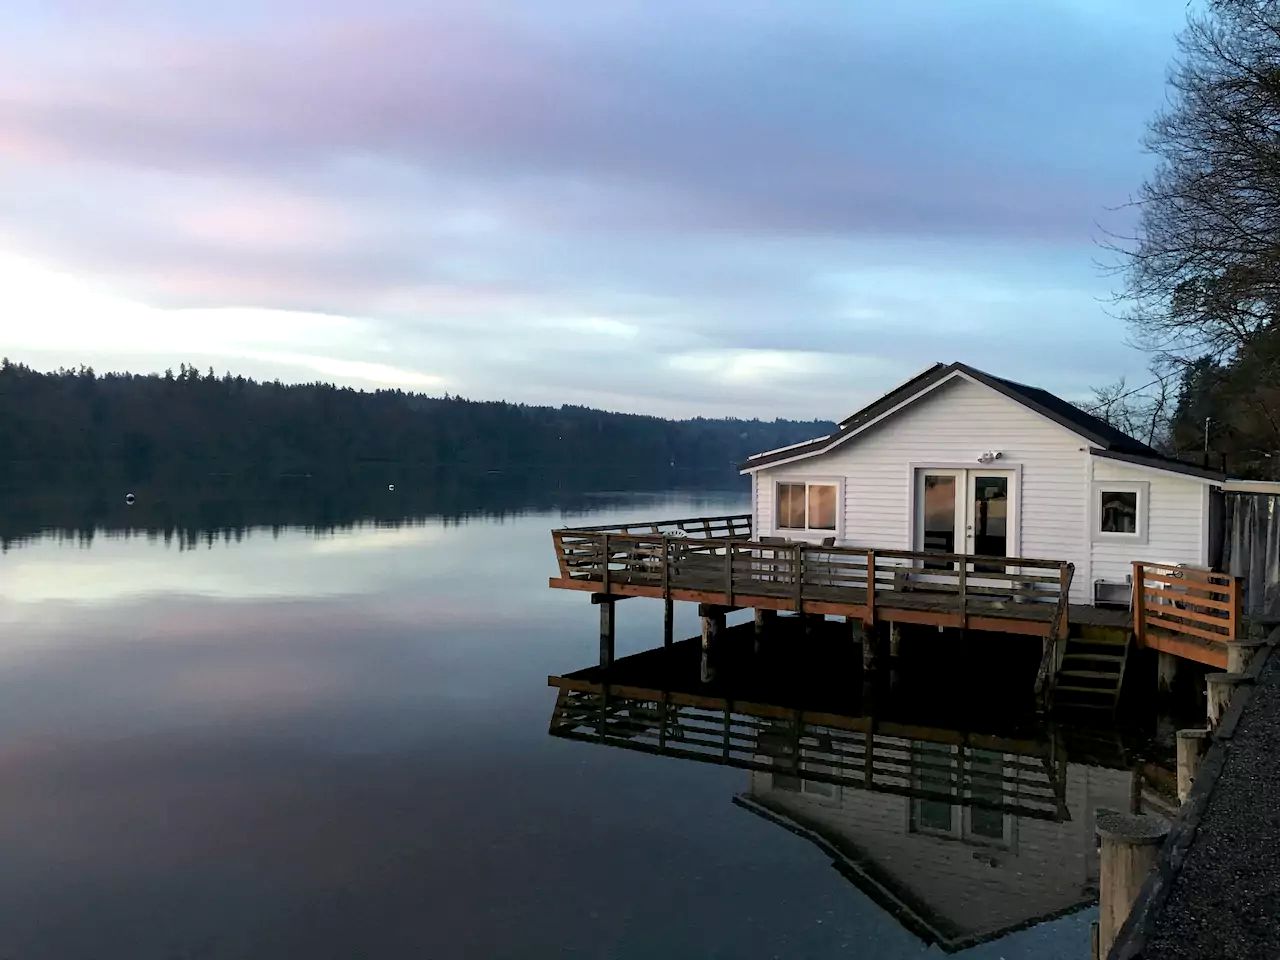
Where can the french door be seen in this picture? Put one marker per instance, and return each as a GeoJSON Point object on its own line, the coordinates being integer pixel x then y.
{"type": "Point", "coordinates": [966, 511]}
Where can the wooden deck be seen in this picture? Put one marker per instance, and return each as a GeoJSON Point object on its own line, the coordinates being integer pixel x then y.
{"type": "Point", "coordinates": [715, 561]}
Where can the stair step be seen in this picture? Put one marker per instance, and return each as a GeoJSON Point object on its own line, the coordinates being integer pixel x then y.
{"type": "Point", "coordinates": [1091, 674]}
{"type": "Point", "coordinates": [1098, 642]}
{"type": "Point", "coordinates": [1109, 657]}
{"type": "Point", "coordinates": [1108, 691]}
{"type": "Point", "coordinates": [1088, 706]}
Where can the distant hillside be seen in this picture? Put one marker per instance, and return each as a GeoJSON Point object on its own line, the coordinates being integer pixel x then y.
{"type": "Point", "coordinates": [134, 426]}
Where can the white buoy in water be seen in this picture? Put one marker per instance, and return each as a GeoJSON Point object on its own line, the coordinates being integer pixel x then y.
{"type": "Point", "coordinates": [391, 486]}
{"type": "Point", "coordinates": [129, 498]}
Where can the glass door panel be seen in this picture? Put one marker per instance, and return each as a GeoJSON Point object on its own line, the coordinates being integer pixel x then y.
{"type": "Point", "coordinates": [940, 514]}
{"type": "Point", "coordinates": [989, 518]}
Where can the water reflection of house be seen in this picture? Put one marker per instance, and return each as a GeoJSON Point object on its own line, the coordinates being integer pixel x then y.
{"type": "Point", "coordinates": [954, 869]}
{"type": "Point", "coordinates": [962, 835]}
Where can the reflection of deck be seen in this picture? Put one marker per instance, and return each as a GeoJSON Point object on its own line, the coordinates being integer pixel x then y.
{"type": "Point", "coordinates": [860, 752]}
{"type": "Point", "coordinates": [714, 561]}
{"type": "Point", "coordinates": [956, 811]}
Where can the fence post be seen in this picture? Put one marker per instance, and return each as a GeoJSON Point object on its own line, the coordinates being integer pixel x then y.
{"type": "Point", "coordinates": [728, 572]}
{"type": "Point", "coordinates": [666, 569]}
{"type": "Point", "coordinates": [604, 557]}
{"type": "Point", "coordinates": [1237, 607]}
{"type": "Point", "coordinates": [797, 572]}
{"type": "Point", "coordinates": [1139, 602]}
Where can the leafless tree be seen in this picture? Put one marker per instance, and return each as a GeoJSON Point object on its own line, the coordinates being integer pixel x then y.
{"type": "Point", "coordinates": [1202, 276]}
{"type": "Point", "coordinates": [1145, 413]}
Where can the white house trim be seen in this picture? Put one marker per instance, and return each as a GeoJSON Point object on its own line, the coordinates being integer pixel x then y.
{"type": "Point", "coordinates": [1132, 464]}
{"type": "Point", "coordinates": [1015, 498]}
{"type": "Point", "coordinates": [848, 434]}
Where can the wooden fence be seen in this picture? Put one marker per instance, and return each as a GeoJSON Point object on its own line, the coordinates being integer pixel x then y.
{"type": "Point", "coordinates": [909, 585]}
{"type": "Point", "coordinates": [1185, 605]}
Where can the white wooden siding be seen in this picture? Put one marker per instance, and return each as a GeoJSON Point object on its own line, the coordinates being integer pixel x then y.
{"type": "Point", "coordinates": [953, 425]}
{"type": "Point", "coordinates": [1175, 521]}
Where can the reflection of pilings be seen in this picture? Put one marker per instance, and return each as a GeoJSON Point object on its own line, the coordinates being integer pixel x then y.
{"type": "Point", "coordinates": [607, 624]}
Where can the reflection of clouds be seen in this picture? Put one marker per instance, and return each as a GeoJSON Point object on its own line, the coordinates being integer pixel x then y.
{"type": "Point", "coordinates": [363, 539]}
{"type": "Point", "coordinates": [295, 564]}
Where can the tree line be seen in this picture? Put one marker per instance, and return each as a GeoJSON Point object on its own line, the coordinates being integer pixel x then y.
{"type": "Point", "coordinates": [1201, 274]}
{"type": "Point", "coordinates": [135, 425]}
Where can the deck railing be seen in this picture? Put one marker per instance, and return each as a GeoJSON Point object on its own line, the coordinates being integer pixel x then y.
{"type": "Point", "coordinates": [1020, 777]}
{"type": "Point", "coordinates": [1186, 604]}
{"type": "Point", "coordinates": [732, 569]}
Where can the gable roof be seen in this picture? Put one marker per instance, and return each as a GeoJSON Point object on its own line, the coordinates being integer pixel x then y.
{"type": "Point", "coordinates": [1080, 422]}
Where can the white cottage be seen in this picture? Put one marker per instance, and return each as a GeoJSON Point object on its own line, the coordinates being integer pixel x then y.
{"type": "Point", "coordinates": [960, 461]}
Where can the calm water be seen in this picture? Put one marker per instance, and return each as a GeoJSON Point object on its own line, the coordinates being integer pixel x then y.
{"type": "Point", "coordinates": [334, 743]}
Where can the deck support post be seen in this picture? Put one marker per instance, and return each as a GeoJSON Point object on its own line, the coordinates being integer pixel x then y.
{"type": "Point", "coordinates": [1166, 673]}
{"type": "Point", "coordinates": [1130, 844]}
{"type": "Point", "coordinates": [872, 640]}
{"type": "Point", "coordinates": [895, 640]}
{"type": "Point", "coordinates": [1192, 746]}
{"type": "Point", "coordinates": [766, 622]}
{"type": "Point", "coordinates": [608, 620]}
{"type": "Point", "coordinates": [1240, 653]}
{"type": "Point", "coordinates": [1219, 687]}
{"type": "Point", "coordinates": [712, 629]}
{"type": "Point", "coordinates": [668, 621]}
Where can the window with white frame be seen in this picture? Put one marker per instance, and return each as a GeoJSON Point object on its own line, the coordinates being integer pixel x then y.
{"type": "Point", "coordinates": [1120, 511]}
{"type": "Point", "coordinates": [804, 505]}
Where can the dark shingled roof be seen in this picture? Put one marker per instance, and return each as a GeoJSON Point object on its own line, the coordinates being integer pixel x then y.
{"type": "Point", "coordinates": [1043, 402]}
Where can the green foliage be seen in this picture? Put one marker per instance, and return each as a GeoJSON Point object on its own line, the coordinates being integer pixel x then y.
{"type": "Point", "coordinates": [134, 425]}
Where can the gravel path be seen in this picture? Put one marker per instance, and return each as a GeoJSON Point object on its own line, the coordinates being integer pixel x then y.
{"type": "Point", "coordinates": [1225, 902]}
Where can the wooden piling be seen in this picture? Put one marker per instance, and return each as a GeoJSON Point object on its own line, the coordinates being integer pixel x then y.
{"type": "Point", "coordinates": [668, 621]}
{"type": "Point", "coordinates": [1219, 688]}
{"type": "Point", "coordinates": [712, 628]}
{"type": "Point", "coordinates": [871, 647]}
{"type": "Point", "coordinates": [895, 640]}
{"type": "Point", "coordinates": [1192, 745]}
{"type": "Point", "coordinates": [1130, 844]}
{"type": "Point", "coordinates": [765, 621]}
{"type": "Point", "coordinates": [1166, 673]}
{"type": "Point", "coordinates": [1240, 653]}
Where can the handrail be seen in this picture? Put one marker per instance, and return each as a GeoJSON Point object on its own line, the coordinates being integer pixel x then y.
{"type": "Point", "coordinates": [1199, 605]}
{"type": "Point", "coordinates": [625, 527]}
{"type": "Point", "coordinates": [739, 543]}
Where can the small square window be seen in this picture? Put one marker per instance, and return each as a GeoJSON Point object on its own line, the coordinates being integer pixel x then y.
{"type": "Point", "coordinates": [1118, 511]}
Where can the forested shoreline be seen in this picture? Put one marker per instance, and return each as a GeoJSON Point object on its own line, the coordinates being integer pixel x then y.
{"type": "Point", "coordinates": [138, 426]}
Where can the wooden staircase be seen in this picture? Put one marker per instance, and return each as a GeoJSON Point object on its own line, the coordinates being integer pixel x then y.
{"type": "Point", "coordinates": [1092, 670]}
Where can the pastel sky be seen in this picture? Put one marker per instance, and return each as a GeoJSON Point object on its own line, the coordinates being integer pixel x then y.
{"type": "Point", "coordinates": [687, 207]}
